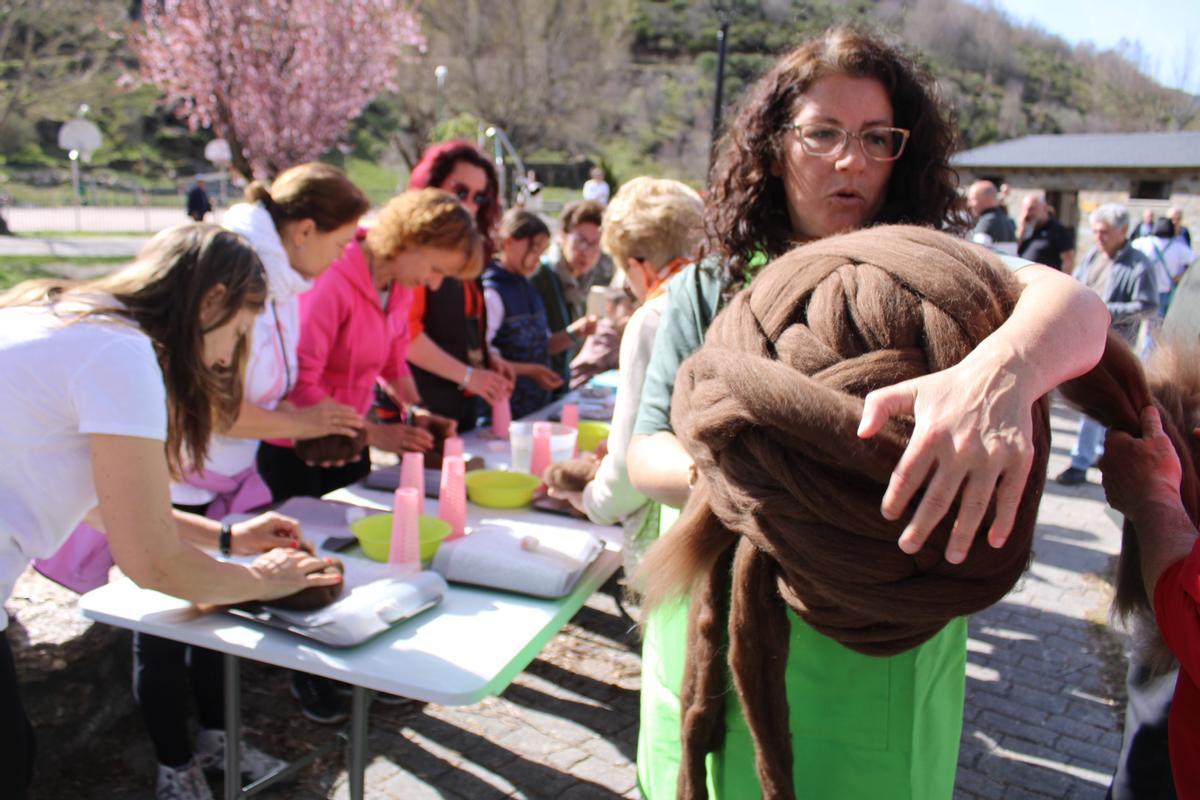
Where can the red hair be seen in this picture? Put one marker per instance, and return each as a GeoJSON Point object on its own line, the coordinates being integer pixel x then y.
{"type": "Point", "coordinates": [436, 164]}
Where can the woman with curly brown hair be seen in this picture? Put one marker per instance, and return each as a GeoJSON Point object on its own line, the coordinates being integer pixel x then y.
{"type": "Point", "coordinates": [842, 133]}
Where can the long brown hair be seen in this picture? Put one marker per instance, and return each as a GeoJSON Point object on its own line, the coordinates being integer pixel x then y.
{"type": "Point", "coordinates": [316, 191]}
{"type": "Point", "coordinates": [161, 292]}
{"type": "Point", "coordinates": [747, 205]}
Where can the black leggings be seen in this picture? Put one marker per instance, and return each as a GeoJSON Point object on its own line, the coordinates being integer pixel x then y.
{"type": "Point", "coordinates": [19, 748]}
{"type": "Point", "coordinates": [162, 670]}
{"type": "Point", "coordinates": [288, 476]}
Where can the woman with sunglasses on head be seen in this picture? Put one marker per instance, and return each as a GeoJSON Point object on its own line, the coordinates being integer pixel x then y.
{"type": "Point", "coordinates": [451, 365]}
{"type": "Point", "coordinates": [113, 387]}
{"type": "Point", "coordinates": [845, 132]}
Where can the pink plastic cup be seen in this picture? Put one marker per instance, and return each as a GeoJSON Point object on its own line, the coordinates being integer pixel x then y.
{"type": "Point", "coordinates": [501, 418]}
{"type": "Point", "coordinates": [452, 447]}
{"type": "Point", "coordinates": [412, 475]}
{"type": "Point", "coordinates": [540, 458]}
{"type": "Point", "coordinates": [452, 496]}
{"type": "Point", "coordinates": [570, 415]}
{"type": "Point", "coordinates": [405, 548]}
{"type": "Point", "coordinates": [570, 418]}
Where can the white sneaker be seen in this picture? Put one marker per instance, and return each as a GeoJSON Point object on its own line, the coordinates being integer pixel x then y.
{"type": "Point", "coordinates": [185, 783]}
{"type": "Point", "coordinates": [255, 764]}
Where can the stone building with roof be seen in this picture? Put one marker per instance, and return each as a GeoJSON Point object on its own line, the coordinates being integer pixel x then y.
{"type": "Point", "coordinates": [1081, 171]}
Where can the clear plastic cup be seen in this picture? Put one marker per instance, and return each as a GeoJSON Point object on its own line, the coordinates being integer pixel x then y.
{"type": "Point", "coordinates": [520, 436]}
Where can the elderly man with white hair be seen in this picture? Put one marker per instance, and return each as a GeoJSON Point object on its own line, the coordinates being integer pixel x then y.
{"type": "Point", "coordinates": [1125, 279]}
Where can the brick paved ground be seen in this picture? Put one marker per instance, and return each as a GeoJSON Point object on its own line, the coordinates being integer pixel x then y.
{"type": "Point", "coordinates": [1043, 719]}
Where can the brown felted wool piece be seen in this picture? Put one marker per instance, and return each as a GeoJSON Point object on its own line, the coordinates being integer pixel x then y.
{"type": "Point", "coordinates": [573, 474]}
{"type": "Point", "coordinates": [785, 515]}
{"type": "Point", "coordinates": [439, 428]}
{"type": "Point", "coordinates": [1114, 394]}
{"type": "Point", "coordinates": [317, 596]}
{"type": "Point", "coordinates": [331, 448]}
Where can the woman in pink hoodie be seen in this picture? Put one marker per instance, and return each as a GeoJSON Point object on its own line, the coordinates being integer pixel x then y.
{"type": "Point", "coordinates": [354, 331]}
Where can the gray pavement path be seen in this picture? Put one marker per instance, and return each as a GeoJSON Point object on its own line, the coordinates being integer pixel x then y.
{"type": "Point", "coordinates": [1043, 704]}
{"type": "Point", "coordinates": [71, 246]}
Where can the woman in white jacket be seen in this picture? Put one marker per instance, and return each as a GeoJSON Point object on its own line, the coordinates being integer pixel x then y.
{"type": "Point", "coordinates": [108, 388]}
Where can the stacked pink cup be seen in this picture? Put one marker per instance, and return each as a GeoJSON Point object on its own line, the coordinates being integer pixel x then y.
{"type": "Point", "coordinates": [452, 447]}
{"type": "Point", "coordinates": [540, 458]}
{"type": "Point", "coordinates": [570, 418]}
{"type": "Point", "coordinates": [452, 495]}
{"type": "Point", "coordinates": [501, 418]}
{"type": "Point", "coordinates": [412, 476]}
{"type": "Point", "coordinates": [405, 548]}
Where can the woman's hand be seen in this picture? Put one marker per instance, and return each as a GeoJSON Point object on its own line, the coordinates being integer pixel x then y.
{"type": "Point", "coordinates": [973, 430]}
{"type": "Point", "coordinates": [282, 572]}
{"type": "Point", "coordinates": [489, 385]}
{"type": "Point", "coordinates": [574, 498]}
{"type": "Point", "coordinates": [436, 424]}
{"type": "Point", "coordinates": [504, 368]}
{"type": "Point", "coordinates": [1149, 467]}
{"type": "Point", "coordinates": [264, 532]}
{"type": "Point", "coordinates": [398, 438]}
{"type": "Point", "coordinates": [543, 376]}
{"type": "Point", "coordinates": [583, 327]}
{"type": "Point", "coordinates": [325, 418]}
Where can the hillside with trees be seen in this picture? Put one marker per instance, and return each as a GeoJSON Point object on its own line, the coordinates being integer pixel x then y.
{"type": "Point", "coordinates": [629, 82]}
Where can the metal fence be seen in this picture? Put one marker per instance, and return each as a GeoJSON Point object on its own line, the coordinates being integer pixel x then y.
{"type": "Point", "coordinates": [92, 219]}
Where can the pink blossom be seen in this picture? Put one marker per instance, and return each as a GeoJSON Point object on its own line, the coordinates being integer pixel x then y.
{"type": "Point", "coordinates": [278, 79]}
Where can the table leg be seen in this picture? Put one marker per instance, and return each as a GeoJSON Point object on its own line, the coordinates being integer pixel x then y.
{"type": "Point", "coordinates": [359, 704]}
{"type": "Point", "coordinates": [233, 727]}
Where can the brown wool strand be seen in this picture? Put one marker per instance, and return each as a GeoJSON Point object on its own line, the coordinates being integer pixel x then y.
{"type": "Point", "coordinates": [785, 516]}
{"type": "Point", "coordinates": [1114, 393]}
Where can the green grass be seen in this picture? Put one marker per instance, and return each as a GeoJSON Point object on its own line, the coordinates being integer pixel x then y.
{"type": "Point", "coordinates": [14, 269]}
{"type": "Point", "coordinates": [379, 181]}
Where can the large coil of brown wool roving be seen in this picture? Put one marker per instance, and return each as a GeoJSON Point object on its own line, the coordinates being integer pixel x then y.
{"type": "Point", "coordinates": [785, 515]}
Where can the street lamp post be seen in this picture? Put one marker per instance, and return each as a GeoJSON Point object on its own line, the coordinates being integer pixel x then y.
{"type": "Point", "coordinates": [440, 73]}
{"type": "Point", "coordinates": [724, 11]}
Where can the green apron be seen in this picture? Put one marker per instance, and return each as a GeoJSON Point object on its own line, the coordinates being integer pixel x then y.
{"type": "Point", "coordinates": [862, 727]}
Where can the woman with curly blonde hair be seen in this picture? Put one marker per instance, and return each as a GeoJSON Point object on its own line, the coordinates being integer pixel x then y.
{"type": "Point", "coordinates": [354, 331]}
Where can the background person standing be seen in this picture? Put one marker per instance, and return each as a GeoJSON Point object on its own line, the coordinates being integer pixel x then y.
{"type": "Point", "coordinates": [1043, 239]}
{"type": "Point", "coordinates": [198, 204]}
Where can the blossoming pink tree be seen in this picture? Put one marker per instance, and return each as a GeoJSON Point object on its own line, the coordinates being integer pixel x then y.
{"type": "Point", "coordinates": [278, 79]}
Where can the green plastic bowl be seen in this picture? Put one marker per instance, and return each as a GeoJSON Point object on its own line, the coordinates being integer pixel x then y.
{"type": "Point", "coordinates": [374, 534]}
{"type": "Point", "coordinates": [499, 489]}
{"type": "Point", "coordinates": [591, 435]}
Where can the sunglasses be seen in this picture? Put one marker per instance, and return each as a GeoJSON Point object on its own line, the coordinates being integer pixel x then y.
{"type": "Point", "coordinates": [482, 199]}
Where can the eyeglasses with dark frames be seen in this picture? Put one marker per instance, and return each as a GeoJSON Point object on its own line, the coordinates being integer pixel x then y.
{"type": "Point", "coordinates": [482, 199]}
{"type": "Point", "coordinates": [824, 141]}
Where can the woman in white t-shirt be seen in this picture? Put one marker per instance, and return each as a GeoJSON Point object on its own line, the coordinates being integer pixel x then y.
{"type": "Point", "coordinates": [106, 390]}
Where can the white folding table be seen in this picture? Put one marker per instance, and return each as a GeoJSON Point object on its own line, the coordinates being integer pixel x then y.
{"type": "Point", "coordinates": [468, 647]}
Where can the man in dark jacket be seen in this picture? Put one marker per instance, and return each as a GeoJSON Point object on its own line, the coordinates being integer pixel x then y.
{"type": "Point", "coordinates": [197, 202]}
{"type": "Point", "coordinates": [1042, 238]}
{"type": "Point", "coordinates": [993, 226]}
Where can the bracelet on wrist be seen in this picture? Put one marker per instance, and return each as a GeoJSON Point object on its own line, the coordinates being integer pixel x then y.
{"type": "Point", "coordinates": [225, 539]}
{"type": "Point", "coordinates": [466, 378]}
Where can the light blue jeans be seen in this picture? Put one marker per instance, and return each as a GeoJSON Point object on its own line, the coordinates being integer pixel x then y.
{"type": "Point", "coordinates": [1089, 445]}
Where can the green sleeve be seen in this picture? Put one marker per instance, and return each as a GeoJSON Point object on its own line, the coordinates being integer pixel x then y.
{"type": "Point", "coordinates": [692, 300]}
